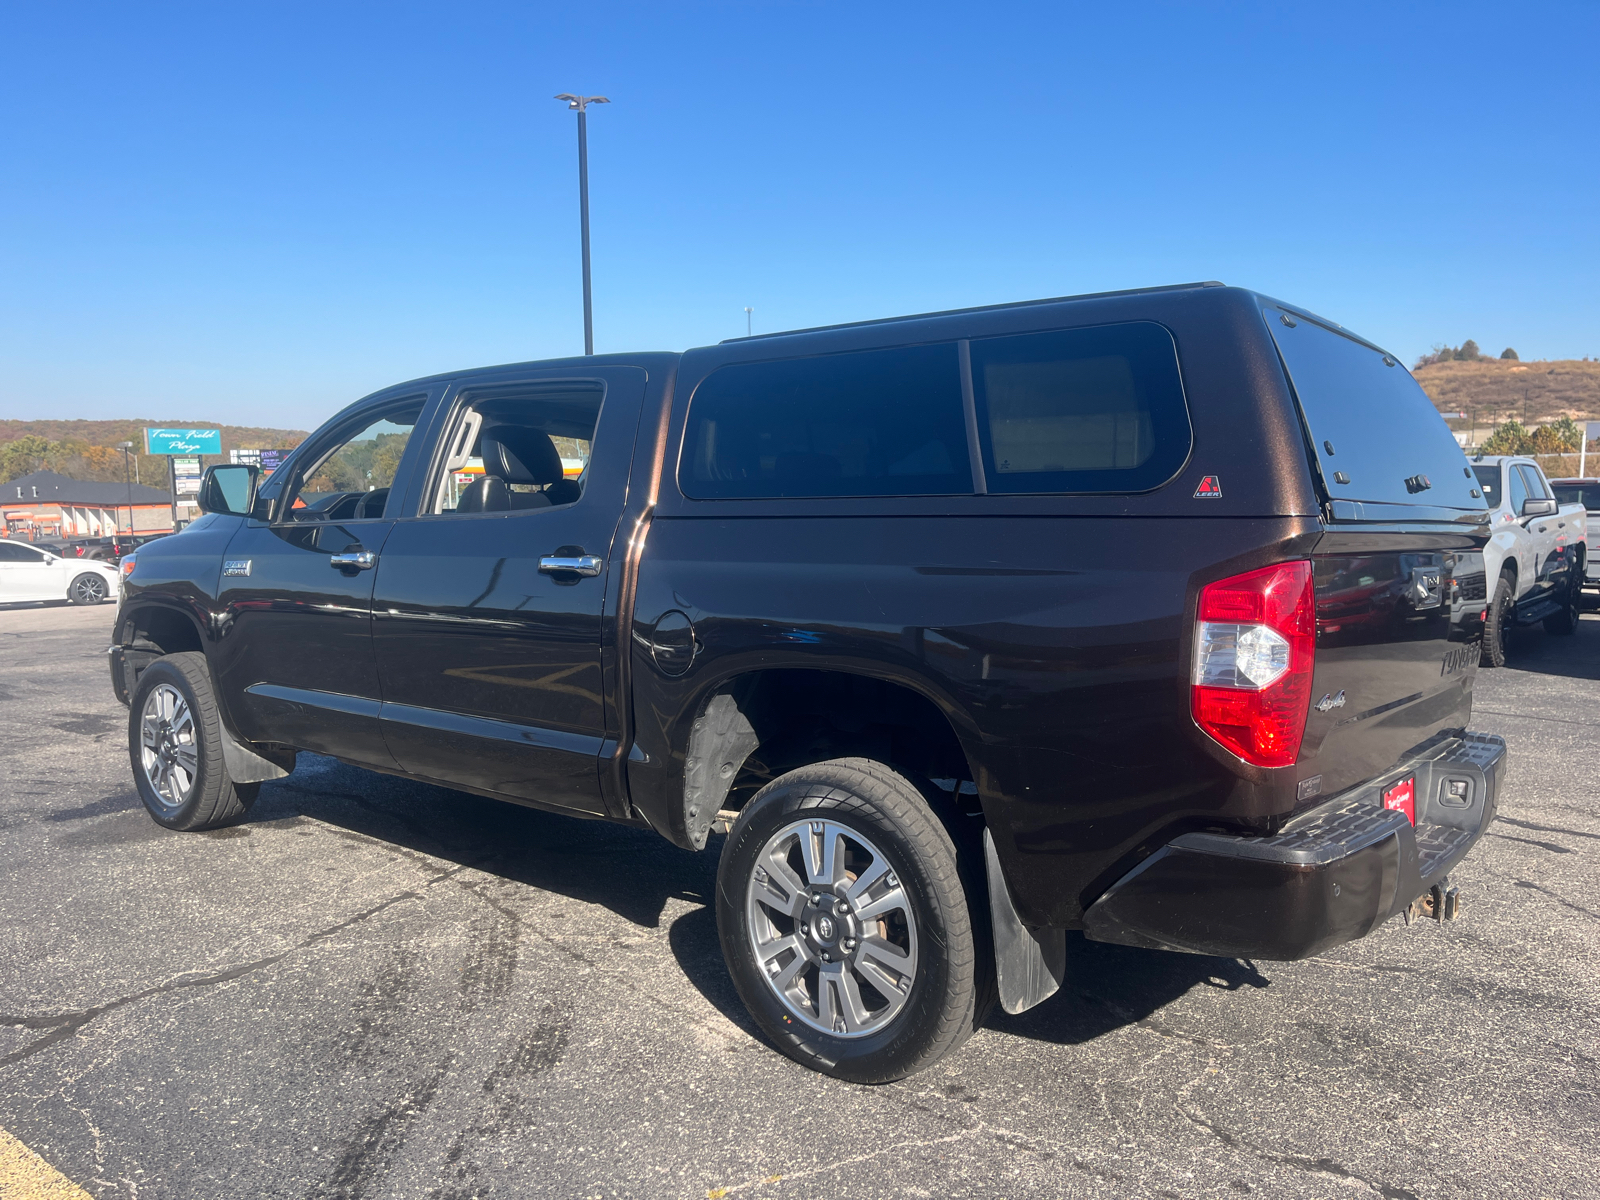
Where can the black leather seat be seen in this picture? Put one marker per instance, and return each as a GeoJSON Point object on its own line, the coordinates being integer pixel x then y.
{"type": "Point", "coordinates": [520, 455]}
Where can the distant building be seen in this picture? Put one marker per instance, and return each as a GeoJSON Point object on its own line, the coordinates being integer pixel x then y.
{"type": "Point", "coordinates": [45, 504]}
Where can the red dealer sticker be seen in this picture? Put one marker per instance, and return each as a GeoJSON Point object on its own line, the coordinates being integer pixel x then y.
{"type": "Point", "coordinates": [1210, 489]}
{"type": "Point", "coordinates": [1403, 795]}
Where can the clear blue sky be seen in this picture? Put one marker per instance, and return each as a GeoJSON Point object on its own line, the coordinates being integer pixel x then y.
{"type": "Point", "coordinates": [255, 213]}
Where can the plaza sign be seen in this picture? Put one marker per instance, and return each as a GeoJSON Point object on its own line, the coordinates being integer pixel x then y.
{"type": "Point", "coordinates": [183, 441]}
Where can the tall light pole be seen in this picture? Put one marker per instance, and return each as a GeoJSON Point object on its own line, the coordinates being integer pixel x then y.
{"type": "Point", "coordinates": [581, 104]}
{"type": "Point", "coordinates": [125, 447]}
{"type": "Point", "coordinates": [748, 320]}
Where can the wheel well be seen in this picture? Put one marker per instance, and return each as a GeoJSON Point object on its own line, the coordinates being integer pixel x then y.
{"type": "Point", "coordinates": [163, 631]}
{"type": "Point", "coordinates": [774, 721]}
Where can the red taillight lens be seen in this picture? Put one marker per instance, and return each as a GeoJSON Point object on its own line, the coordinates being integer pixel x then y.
{"type": "Point", "coordinates": [1255, 646]}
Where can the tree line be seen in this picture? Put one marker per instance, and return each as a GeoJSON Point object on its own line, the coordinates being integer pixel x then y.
{"type": "Point", "coordinates": [77, 459]}
{"type": "Point", "coordinates": [1512, 437]}
{"type": "Point", "coordinates": [1466, 352]}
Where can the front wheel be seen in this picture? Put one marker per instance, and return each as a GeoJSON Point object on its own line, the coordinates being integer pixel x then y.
{"type": "Point", "coordinates": [1494, 624]}
{"type": "Point", "coordinates": [846, 924]}
{"type": "Point", "coordinates": [175, 742]}
{"type": "Point", "coordinates": [88, 588]}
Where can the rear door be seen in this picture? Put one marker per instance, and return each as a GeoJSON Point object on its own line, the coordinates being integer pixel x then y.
{"type": "Point", "coordinates": [491, 592]}
{"type": "Point", "coordinates": [1399, 570]}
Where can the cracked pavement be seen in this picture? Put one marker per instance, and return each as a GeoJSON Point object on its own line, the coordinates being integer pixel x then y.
{"type": "Point", "coordinates": [375, 988]}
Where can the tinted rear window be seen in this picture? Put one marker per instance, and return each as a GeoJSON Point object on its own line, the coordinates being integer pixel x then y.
{"type": "Point", "coordinates": [869, 423]}
{"type": "Point", "coordinates": [1080, 410]}
{"type": "Point", "coordinates": [1586, 494]}
{"type": "Point", "coordinates": [1489, 484]}
{"type": "Point", "coordinates": [1383, 429]}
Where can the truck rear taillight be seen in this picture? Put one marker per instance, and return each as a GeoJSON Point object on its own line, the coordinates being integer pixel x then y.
{"type": "Point", "coordinates": [1255, 645]}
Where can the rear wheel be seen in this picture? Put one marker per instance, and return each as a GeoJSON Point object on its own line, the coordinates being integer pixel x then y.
{"type": "Point", "coordinates": [175, 743]}
{"type": "Point", "coordinates": [847, 926]}
{"type": "Point", "coordinates": [1495, 623]}
{"type": "Point", "coordinates": [1566, 621]}
{"type": "Point", "coordinates": [88, 588]}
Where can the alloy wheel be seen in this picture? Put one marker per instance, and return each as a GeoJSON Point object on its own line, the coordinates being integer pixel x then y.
{"type": "Point", "coordinates": [168, 750]}
{"type": "Point", "coordinates": [89, 589]}
{"type": "Point", "coordinates": [832, 928]}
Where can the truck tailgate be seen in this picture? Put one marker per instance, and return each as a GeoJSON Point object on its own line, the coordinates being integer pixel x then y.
{"type": "Point", "coordinates": [1399, 618]}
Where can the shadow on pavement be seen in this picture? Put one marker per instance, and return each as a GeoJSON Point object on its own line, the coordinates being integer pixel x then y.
{"type": "Point", "coordinates": [1575, 656]}
{"type": "Point", "coordinates": [1107, 987]}
{"type": "Point", "coordinates": [634, 873]}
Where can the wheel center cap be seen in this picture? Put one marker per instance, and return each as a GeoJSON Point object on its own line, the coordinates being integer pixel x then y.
{"type": "Point", "coordinates": [825, 929]}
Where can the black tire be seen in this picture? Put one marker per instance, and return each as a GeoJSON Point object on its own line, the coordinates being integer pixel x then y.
{"type": "Point", "coordinates": [211, 798]}
{"type": "Point", "coordinates": [1565, 622]}
{"type": "Point", "coordinates": [1494, 623]}
{"type": "Point", "coordinates": [952, 989]}
{"type": "Point", "coordinates": [88, 588]}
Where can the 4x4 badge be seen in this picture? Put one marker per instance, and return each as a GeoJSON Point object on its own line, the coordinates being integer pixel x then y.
{"type": "Point", "coordinates": [1329, 703]}
{"type": "Point", "coordinates": [1209, 489]}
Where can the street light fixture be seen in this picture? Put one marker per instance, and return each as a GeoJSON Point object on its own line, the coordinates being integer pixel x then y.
{"type": "Point", "coordinates": [580, 104]}
{"type": "Point", "coordinates": [125, 447]}
{"type": "Point", "coordinates": [748, 325]}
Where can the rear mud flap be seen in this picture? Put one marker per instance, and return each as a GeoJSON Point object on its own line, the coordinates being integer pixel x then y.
{"type": "Point", "coordinates": [1029, 963]}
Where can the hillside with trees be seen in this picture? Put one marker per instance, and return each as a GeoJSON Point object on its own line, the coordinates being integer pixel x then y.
{"type": "Point", "coordinates": [1495, 390]}
{"type": "Point", "coordinates": [87, 449]}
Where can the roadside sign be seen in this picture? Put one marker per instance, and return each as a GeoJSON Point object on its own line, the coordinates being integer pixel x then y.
{"type": "Point", "coordinates": [1592, 430]}
{"type": "Point", "coordinates": [186, 476]}
{"type": "Point", "coordinates": [1454, 416]}
{"type": "Point", "coordinates": [183, 441]}
{"type": "Point", "coordinates": [268, 460]}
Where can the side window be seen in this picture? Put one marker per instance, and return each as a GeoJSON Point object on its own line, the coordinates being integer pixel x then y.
{"type": "Point", "coordinates": [11, 552]}
{"type": "Point", "coordinates": [1489, 484]}
{"type": "Point", "coordinates": [349, 477]}
{"type": "Point", "coordinates": [866, 423]}
{"type": "Point", "coordinates": [1534, 482]}
{"type": "Point", "coordinates": [1377, 436]}
{"type": "Point", "coordinates": [515, 449]}
{"type": "Point", "coordinates": [1080, 410]}
{"type": "Point", "coordinates": [1519, 490]}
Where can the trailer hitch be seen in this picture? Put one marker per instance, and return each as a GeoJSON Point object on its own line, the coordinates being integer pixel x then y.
{"type": "Point", "coordinates": [1440, 902]}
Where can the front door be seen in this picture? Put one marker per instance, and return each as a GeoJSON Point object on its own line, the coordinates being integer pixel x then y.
{"type": "Point", "coordinates": [489, 600]}
{"type": "Point", "coordinates": [27, 573]}
{"type": "Point", "coordinates": [295, 652]}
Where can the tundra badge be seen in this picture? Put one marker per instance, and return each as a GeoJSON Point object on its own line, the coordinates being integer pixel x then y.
{"type": "Point", "coordinates": [236, 566]}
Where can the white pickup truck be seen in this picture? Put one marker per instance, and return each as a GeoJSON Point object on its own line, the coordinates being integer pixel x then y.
{"type": "Point", "coordinates": [1534, 562]}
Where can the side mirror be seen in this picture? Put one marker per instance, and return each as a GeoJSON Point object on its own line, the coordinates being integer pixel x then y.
{"type": "Point", "coordinates": [1538, 508]}
{"type": "Point", "coordinates": [49, 559]}
{"type": "Point", "coordinates": [229, 488]}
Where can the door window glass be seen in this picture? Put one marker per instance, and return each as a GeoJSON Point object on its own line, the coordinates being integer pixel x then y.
{"type": "Point", "coordinates": [11, 552]}
{"type": "Point", "coordinates": [1587, 495]}
{"type": "Point", "coordinates": [1370, 421]}
{"type": "Point", "coordinates": [1519, 490]}
{"type": "Point", "coordinates": [1534, 482]}
{"type": "Point", "coordinates": [512, 449]}
{"type": "Point", "coordinates": [866, 423]}
{"type": "Point", "coordinates": [1080, 410]}
{"type": "Point", "coordinates": [349, 478]}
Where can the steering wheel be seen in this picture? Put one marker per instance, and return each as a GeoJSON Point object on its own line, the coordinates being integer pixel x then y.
{"type": "Point", "coordinates": [371, 504]}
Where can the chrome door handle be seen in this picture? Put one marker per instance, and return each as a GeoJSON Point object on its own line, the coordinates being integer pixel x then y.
{"type": "Point", "coordinates": [362, 560]}
{"type": "Point", "coordinates": [582, 564]}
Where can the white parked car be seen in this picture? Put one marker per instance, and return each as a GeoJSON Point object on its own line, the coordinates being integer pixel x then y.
{"type": "Point", "coordinates": [34, 573]}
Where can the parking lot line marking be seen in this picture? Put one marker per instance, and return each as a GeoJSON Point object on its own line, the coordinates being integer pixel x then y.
{"type": "Point", "coordinates": [26, 1176]}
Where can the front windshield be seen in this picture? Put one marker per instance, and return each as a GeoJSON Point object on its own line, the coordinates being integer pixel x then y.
{"type": "Point", "coordinates": [1489, 481]}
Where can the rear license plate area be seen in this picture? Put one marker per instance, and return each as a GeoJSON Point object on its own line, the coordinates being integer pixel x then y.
{"type": "Point", "coordinates": [1403, 796]}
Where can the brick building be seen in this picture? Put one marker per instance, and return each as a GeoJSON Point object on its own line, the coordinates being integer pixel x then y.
{"type": "Point", "coordinates": [45, 504]}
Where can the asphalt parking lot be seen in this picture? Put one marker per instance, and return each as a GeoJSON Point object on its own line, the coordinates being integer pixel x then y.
{"type": "Point", "coordinates": [373, 988]}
